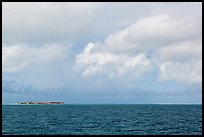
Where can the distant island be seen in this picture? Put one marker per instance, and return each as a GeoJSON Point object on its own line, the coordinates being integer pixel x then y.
{"type": "Point", "coordinates": [41, 103]}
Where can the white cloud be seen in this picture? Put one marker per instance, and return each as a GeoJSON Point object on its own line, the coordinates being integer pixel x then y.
{"type": "Point", "coordinates": [152, 32]}
{"type": "Point", "coordinates": [112, 65]}
{"type": "Point", "coordinates": [48, 22]}
{"type": "Point", "coordinates": [181, 62]}
{"type": "Point", "coordinates": [190, 72]}
{"type": "Point", "coordinates": [181, 52]}
{"type": "Point", "coordinates": [174, 41]}
{"type": "Point", "coordinates": [165, 29]}
{"type": "Point", "coordinates": [17, 57]}
{"type": "Point", "coordinates": [131, 41]}
{"type": "Point", "coordinates": [162, 26]}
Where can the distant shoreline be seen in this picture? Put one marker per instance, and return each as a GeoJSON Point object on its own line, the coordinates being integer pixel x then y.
{"type": "Point", "coordinates": [96, 104]}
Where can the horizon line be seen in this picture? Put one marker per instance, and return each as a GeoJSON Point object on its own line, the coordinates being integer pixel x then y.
{"type": "Point", "coordinates": [114, 104]}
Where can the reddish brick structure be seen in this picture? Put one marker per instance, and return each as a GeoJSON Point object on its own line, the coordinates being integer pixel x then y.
{"type": "Point", "coordinates": [43, 103]}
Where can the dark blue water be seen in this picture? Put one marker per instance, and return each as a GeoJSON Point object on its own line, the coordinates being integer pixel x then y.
{"type": "Point", "coordinates": [102, 119]}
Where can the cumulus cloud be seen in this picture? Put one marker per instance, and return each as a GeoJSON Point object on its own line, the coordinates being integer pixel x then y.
{"type": "Point", "coordinates": [152, 32]}
{"type": "Point", "coordinates": [181, 62]}
{"type": "Point", "coordinates": [18, 57]}
{"type": "Point", "coordinates": [174, 41]}
{"type": "Point", "coordinates": [181, 52]}
{"type": "Point", "coordinates": [163, 26]}
{"type": "Point", "coordinates": [139, 48]}
{"type": "Point", "coordinates": [190, 72]}
{"type": "Point", "coordinates": [112, 65]}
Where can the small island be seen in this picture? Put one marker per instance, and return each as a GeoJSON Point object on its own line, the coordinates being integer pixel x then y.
{"type": "Point", "coordinates": [40, 103]}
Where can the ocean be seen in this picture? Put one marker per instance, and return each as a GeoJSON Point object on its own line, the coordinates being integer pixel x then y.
{"type": "Point", "coordinates": [102, 119]}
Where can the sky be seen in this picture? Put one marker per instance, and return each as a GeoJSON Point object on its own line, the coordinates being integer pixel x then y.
{"type": "Point", "coordinates": [102, 53]}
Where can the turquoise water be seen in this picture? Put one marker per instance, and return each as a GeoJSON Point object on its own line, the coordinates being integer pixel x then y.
{"type": "Point", "coordinates": [102, 119]}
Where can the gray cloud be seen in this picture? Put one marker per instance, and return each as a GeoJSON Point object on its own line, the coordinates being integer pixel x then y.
{"type": "Point", "coordinates": [45, 22]}
{"type": "Point", "coordinates": [15, 87]}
